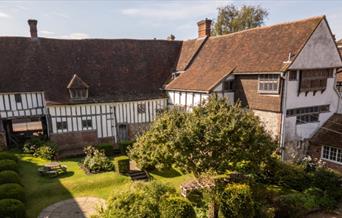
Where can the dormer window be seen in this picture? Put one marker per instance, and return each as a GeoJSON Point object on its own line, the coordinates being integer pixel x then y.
{"type": "Point", "coordinates": [78, 89]}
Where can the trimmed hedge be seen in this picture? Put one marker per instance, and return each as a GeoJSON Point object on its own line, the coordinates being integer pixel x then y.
{"type": "Point", "coordinates": [124, 145]}
{"type": "Point", "coordinates": [108, 149]}
{"type": "Point", "coordinates": [176, 207]}
{"type": "Point", "coordinates": [123, 165]}
{"type": "Point", "coordinates": [12, 191]}
{"type": "Point", "coordinates": [8, 156]}
{"type": "Point", "coordinates": [9, 176]}
{"type": "Point", "coordinates": [12, 208]}
{"type": "Point", "coordinates": [8, 165]}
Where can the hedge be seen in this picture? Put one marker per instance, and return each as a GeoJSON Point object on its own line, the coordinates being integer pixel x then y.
{"type": "Point", "coordinates": [124, 145]}
{"type": "Point", "coordinates": [8, 156]}
{"type": "Point", "coordinates": [12, 191]}
{"type": "Point", "coordinates": [12, 208]}
{"type": "Point", "coordinates": [176, 207]}
{"type": "Point", "coordinates": [8, 165]}
{"type": "Point", "coordinates": [108, 149]}
{"type": "Point", "coordinates": [123, 165]}
{"type": "Point", "coordinates": [9, 176]}
{"type": "Point", "coordinates": [237, 201]}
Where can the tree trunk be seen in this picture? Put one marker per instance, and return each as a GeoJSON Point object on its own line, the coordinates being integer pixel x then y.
{"type": "Point", "coordinates": [213, 209]}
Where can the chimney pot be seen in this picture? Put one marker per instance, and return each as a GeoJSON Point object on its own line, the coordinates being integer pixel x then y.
{"type": "Point", "coordinates": [33, 28]}
{"type": "Point", "coordinates": [204, 28]}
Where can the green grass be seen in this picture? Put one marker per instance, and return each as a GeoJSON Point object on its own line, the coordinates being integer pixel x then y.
{"type": "Point", "coordinates": [42, 191]}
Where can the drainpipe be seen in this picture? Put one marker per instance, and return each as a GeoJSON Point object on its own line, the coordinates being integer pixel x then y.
{"type": "Point", "coordinates": [282, 131]}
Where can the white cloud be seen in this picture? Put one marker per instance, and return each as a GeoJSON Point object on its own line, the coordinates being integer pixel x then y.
{"type": "Point", "coordinates": [46, 33]}
{"type": "Point", "coordinates": [173, 10]}
{"type": "Point", "coordinates": [4, 15]}
{"type": "Point", "coordinates": [75, 36]}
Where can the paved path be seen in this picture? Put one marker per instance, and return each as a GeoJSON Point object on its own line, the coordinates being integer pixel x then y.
{"type": "Point", "coordinates": [73, 208]}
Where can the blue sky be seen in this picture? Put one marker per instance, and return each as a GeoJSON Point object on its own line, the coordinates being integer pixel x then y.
{"type": "Point", "coordinates": [144, 19]}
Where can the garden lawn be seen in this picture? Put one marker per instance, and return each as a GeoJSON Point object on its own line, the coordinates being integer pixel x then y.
{"type": "Point", "coordinates": [43, 191]}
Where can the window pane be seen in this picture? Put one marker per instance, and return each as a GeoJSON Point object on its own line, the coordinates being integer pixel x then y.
{"type": "Point", "coordinates": [333, 154]}
{"type": "Point", "coordinates": [339, 155]}
{"type": "Point", "coordinates": [326, 152]}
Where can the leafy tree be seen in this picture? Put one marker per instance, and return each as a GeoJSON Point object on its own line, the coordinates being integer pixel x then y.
{"type": "Point", "coordinates": [211, 139]}
{"type": "Point", "coordinates": [232, 19]}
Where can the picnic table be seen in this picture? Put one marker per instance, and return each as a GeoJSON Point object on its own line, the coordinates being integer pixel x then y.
{"type": "Point", "coordinates": [52, 169]}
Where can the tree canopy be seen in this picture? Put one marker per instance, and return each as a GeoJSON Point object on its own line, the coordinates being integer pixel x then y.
{"type": "Point", "coordinates": [213, 138]}
{"type": "Point", "coordinates": [232, 19]}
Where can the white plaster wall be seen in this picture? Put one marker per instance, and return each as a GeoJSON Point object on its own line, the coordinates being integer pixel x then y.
{"type": "Point", "coordinates": [293, 100]}
{"type": "Point", "coordinates": [104, 116]}
{"type": "Point", "coordinates": [186, 99]}
{"type": "Point", "coordinates": [319, 51]}
{"type": "Point", "coordinates": [219, 90]}
{"type": "Point", "coordinates": [32, 104]}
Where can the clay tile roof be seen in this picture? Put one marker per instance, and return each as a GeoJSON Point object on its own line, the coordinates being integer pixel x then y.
{"type": "Point", "coordinates": [330, 133]}
{"type": "Point", "coordinates": [189, 50]}
{"type": "Point", "coordinates": [76, 82]}
{"type": "Point", "coordinates": [115, 70]}
{"type": "Point", "coordinates": [262, 49]}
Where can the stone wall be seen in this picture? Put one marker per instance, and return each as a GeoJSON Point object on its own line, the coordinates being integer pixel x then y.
{"type": "Point", "coordinates": [271, 121]}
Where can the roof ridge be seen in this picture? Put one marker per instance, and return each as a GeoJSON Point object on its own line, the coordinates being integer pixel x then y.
{"type": "Point", "coordinates": [268, 27]}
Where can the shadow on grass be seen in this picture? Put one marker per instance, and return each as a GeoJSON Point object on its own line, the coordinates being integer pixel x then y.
{"type": "Point", "coordinates": [41, 191]}
{"type": "Point", "coordinates": [167, 173]}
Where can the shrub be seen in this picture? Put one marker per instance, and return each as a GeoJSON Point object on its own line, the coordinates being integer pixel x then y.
{"type": "Point", "coordinates": [237, 201]}
{"type": "Point", "coordinates": [141, 200]}
{"type": "Point", "coordinates": [295, 205]}
{"type": "Point", "coordinates": [8, 156]}
{"type": "Point", "coordinates": [108, 149]}
{"type": "Point", "coordinates": [8, 165]}
{"type": "Point", "coordinates": [46, 151]}
{"type": "Point", "coordinates": [123, 165]}
{"type": "Point", "coordinates": [176, 207]}
{"type": "Point", "coordinates": [33, 144]}
{"type": "Point", "coordinates": [125, 145]}
{"type": "Point", "coordinates": [328, 181]}
{"type": "Point", "coordinates": [291, 176]}
{"type": "Point", "coordinates": [96, 161]}
{"type": "Point", "coordinates": [8, 176]}
{"type": "Point", "coordinates": [12, 208]}
{"type": "Point", "coordinates": [12, 191]}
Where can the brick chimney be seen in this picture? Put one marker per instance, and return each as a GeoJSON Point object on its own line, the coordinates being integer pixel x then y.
{"type": "Point", "coordinates": [33, 28]}
{"type": "Point", "coordinates": [204, 28]}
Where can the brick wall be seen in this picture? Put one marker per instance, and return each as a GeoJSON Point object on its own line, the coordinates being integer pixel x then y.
{"type": "Point", "coordinates": [74, 141]}
{"type": "Point", "coordinates": [3, 144]}
{"type": "Point", "coordinates": [246, 90]}
{"type": "Point", "coordinates": [271, 120]}
{"type": "Point", "coordinates": [315, 152]}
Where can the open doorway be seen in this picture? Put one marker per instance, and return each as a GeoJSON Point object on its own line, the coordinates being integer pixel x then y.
{"type": "Point", "coordinates": [21, 129]}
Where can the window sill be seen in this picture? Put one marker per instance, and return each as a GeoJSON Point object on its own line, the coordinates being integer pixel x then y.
{"type": "Point", "coordinates": [307, 123]}
{"type": "Point", "coordinates": [332, 161]}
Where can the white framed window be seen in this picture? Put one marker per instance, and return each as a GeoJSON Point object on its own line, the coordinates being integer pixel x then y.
{"type": "Point", "coordinates": [268, 83]}
{"type": "Point", "coordinates": [331, 154]}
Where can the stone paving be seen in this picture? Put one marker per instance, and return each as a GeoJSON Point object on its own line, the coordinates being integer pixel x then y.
{"type": "Point", "coordinates": [82, 207]}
